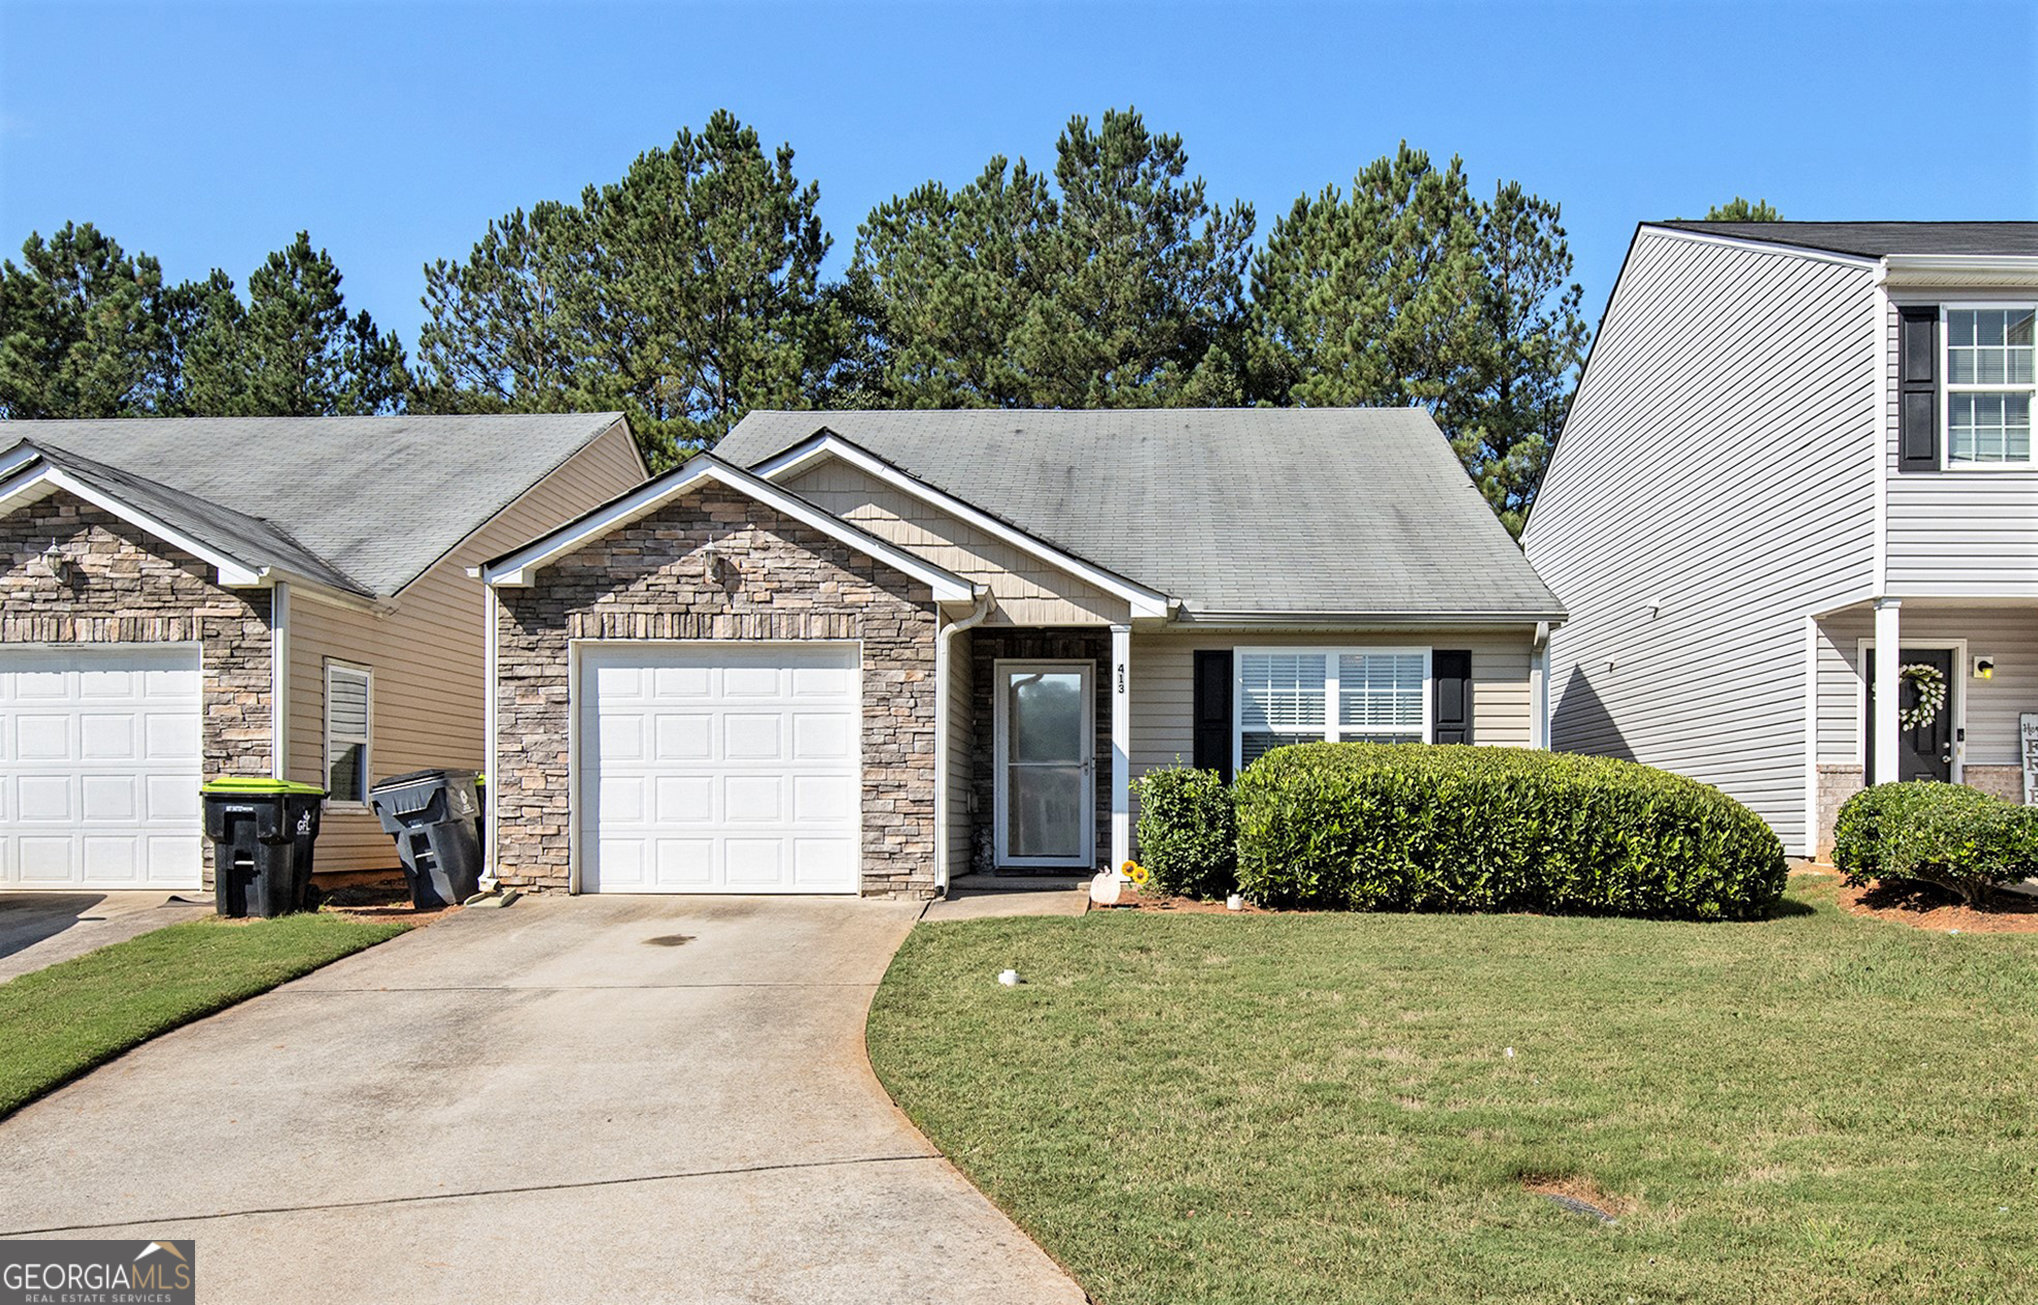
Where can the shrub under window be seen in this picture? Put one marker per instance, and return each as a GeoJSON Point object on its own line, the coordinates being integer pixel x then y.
{"type": "Point", "coordinates": [1407, 827]}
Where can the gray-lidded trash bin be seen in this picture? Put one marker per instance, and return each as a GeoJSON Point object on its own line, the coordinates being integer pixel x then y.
{"type": "Point", "coordinates": [262, 832]}
{"type": "Point", "coordinates": [432, 815]}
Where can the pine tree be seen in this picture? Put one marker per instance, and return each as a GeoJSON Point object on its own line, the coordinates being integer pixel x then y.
{"type": "Point", "coordinates": [1740, 210]}
{"type": "Point", "coordinates": [84, 330]}
{"type": "Point", "coordinates": [1118, 285]}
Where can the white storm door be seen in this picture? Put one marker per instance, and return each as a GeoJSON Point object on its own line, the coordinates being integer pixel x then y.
{"type": "Point", "coordinates": [1046, 737]}
{"type": "Point", "coordinates": [720, 768]}
{"type": "Point", "coordinates": [100, 759]}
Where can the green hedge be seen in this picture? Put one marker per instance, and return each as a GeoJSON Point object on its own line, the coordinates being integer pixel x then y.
{"type": "Point", "coordinates": [1188, 835]}
{"type": "Point", "coordinates": [1411, 827]}
{"type": "Point", "coordinates": [1955, 837]}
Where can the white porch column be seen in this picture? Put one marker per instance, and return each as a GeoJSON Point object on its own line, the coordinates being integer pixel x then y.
{"type": "Point", "coordinates": [1121, 745]}
{"type": "Point", "coordinates": [1888, 659]}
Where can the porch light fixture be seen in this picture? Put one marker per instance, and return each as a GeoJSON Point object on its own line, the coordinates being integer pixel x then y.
{"type": "Point", "coordinates": [1984, 668]}
{"type": "Point", "coordinates": [54, 563]}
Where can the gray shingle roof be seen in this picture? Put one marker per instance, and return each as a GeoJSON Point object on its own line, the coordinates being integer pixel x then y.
{"type": "Point", "coordinates": [1876, 239]}
{"type": "Point", "coordinates": [370, 502]}
{"type": "Point", "coordinates": [1337, 511]}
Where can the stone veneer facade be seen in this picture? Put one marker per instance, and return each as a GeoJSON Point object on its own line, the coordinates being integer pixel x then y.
{"type": "Point", "coordinates": [126, 586]}
{"type": "Point", "coordinates": [987, 645]}
{"type": "Point", "coordinates": [781, 580]}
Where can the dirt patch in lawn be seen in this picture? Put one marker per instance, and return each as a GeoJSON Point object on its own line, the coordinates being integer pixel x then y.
{"type": "Point", "coordinates": [1573, 1191]}
{"type": "Point", "coordinates": [380, 900]}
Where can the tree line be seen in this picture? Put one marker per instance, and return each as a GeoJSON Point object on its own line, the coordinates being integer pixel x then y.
{"type": "Point", "coordinates": [690, 291]}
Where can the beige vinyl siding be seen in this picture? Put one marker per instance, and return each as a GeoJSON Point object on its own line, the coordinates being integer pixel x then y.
{"type": "Point", "coordinates": [1163, 683]}
{"type": "Point", "coordinates": [1028, 590]}
{"type": "Point", "coordinates": [1718, 467]}
{"type": "Point", "coordinates": [961, 745]}
{"type": "Point", "coordinates": [1968, 533]}
{"type": "Point", "coordinates": [426, 656]}
{"type": "Point", "coordinates": [1990, 707]}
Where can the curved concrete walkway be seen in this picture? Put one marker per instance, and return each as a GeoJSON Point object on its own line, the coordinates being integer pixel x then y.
{"type": "Point", "coordinates": [591, 1099]}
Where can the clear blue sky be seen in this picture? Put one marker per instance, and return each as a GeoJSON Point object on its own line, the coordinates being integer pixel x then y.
{"type": "Point", "coordinates": [207, 134]}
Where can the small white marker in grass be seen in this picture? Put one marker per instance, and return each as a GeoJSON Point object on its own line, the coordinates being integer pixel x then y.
{"type": "Point", "coordinates": [1510, 1053]}
{"type": "Point", "coordinates": [1235, 902]}
{"type": "Point", "coordinates": [1010, 978]}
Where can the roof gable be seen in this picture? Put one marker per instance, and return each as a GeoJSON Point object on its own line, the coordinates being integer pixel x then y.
{"type": "Point", "coordinates": [520, 568]}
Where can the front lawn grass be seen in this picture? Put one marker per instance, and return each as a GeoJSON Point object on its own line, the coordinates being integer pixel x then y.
{"type": "Point", "coordinates": [1282, 1109]}
{"type": "Point", "coordinates": [58, 1022]}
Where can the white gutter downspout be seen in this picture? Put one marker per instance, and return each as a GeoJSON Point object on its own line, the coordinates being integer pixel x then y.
{"type": "Point", "coordinates": [279, 681]}
{"type": "Point", "coordinates": [1539, 688]}
{"type": "Point", "coordinates": [488, 800]}
{"type": "Point", "coordinates": [942, 659]}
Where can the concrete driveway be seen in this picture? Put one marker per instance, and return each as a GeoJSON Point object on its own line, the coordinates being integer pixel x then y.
{"type": "Point", "coordinates": [590, 1099]}
{"type": "Point", "coordinates": [38, 929]}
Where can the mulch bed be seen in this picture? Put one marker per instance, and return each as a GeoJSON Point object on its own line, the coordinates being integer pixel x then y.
{"type": "Point", "coordinates": [1926, 907]}
{"type": "Point", "coordinates": [379, 900]}
{"type": "Point", "coordinates": [1181, 906]}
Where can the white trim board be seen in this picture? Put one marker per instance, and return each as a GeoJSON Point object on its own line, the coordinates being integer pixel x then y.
{"type": "Point", "coordinates": [39, 481]}
{"type": "Point", "coordinates": [518, 569]}
{"type": "Point", "coordinates": [1145, 602]}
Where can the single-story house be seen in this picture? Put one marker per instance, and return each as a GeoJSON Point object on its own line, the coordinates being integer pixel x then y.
{"type": "Point", "coordinates": [869, 652]}
{"type": "Point", "coordinates": [182, 599]}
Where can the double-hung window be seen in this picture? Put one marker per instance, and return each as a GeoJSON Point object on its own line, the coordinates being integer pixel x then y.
{"type": "Point", "coordinates": [1318, 695]}
{"type": "Point", "coordinates": [349, 708]}
{"type": "Point", "coordinates": [1989, 386]}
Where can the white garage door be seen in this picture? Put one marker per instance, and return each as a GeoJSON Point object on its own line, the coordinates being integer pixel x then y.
{"type": "Point", "coordinates": [720, 768]}
{"type": "Point", "coordinates": [99, 768]}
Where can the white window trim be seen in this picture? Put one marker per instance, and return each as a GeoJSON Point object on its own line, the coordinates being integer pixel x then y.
{"type": "Point", "coordinates": [367, 742]}
{"type": "Point", "coordinates": [1947, 389]}
{"type": "Point", "coordinates": [1331, 653]}
{"type": "Point", "coordinates": [1001, 713]}
{"type": "Point", "coordinates": [1956, 698]}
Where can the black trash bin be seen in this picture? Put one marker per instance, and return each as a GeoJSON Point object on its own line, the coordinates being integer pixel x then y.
{"type": "Point", "coordinates": [262, 833]}
{"type": "Point", "coordinates": [432, 815]}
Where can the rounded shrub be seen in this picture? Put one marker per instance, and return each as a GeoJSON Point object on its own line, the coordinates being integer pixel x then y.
{"type": "Point", "coordinates": [1948, 835]}
{"type": "Point", "coordinates": [1188, 834]}
{"type": "Point", "coordinates": [1420, 827]}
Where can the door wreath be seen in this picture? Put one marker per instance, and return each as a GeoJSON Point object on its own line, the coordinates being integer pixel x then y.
{"type": "Point", "coordinates": [1929, 684]}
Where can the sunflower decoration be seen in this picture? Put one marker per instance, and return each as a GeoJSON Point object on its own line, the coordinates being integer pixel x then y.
{"type": "Point", "coordinates": [1135, 872]}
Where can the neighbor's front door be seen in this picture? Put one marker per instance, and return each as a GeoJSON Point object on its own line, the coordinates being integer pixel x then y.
{"type": "Point", "coordinates": [1046, 777]}
{"type": "Point", "coordinates": [1924, 748]}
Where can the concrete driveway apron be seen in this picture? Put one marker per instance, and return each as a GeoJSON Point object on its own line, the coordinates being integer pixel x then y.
{"type": "Point", "coordinates": [589, 1099]}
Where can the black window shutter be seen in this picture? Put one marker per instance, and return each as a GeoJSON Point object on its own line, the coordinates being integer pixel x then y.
{"type": "Point", "coordinates": [1918, 388]}
{"type": "Point", "coordinates": [1212, 710]}
{"type": "Point", "coordinates": [1450, 675]}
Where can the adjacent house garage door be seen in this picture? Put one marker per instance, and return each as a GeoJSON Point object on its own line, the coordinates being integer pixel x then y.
{"type": "Point", "coordinates": [719, 768]}
{"type": "Point", "coordinates": [99, 768]}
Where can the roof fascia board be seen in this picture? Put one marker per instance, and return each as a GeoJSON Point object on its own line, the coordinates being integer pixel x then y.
{"type": "Point", "coordinates": [21, 455]}
{"type": "Point", "coordinates": [1761, 246]}
{"type": "Point", "coordinates": [233, 572]}
{"type": "Point", "coordinates": [1930, 269]}
{"type": "Point", "coordinates": [1144, 602]}
{"type": "Point", "coordinates": [517, 569]}
{"type": "Point", "coordinates": [1366, 620]}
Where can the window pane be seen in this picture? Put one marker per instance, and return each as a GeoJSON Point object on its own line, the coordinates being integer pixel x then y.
{"type": "Point", "coordinates": [1254, 744]}
{"type": "Point", "coordinates": [348, 705]}
{"type": "Point", "coordinates": [1988, 326]}
{"type": "Point", "coordinates": [1380, 689]}
{"type": "Point", "coordinates": [1281, 691]}
{"type": "Point", "coordinates": [1044, 716]}
{"type": "Point", "coordinates": [1960, 327]}
{"type": "Point", "coordinates": [2017, 428]}
{"type": "Point", "coordinates": [343, 773]}
{"type": "Point", "coordinates": [1044, 810]}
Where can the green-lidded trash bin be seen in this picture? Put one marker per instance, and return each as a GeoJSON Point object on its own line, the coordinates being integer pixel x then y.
{"type": "Point", "coordinates": [432, 814]}
{"type": "Point", "coordinates": [262, 833]}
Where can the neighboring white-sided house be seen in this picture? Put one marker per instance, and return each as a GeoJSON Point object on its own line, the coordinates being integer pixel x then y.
{"type": "Point", "coordinates": [1795, 446]}
{"type": "Point", "coordinates": [868, 652]}
{"type": "Point", "coordinates": [183, 599]}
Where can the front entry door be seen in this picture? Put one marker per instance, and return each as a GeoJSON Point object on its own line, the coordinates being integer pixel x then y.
{"type": "Point", "coordinates": [1924, 748]}
{"type": "Point", "coordinates": [1046, 756]}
